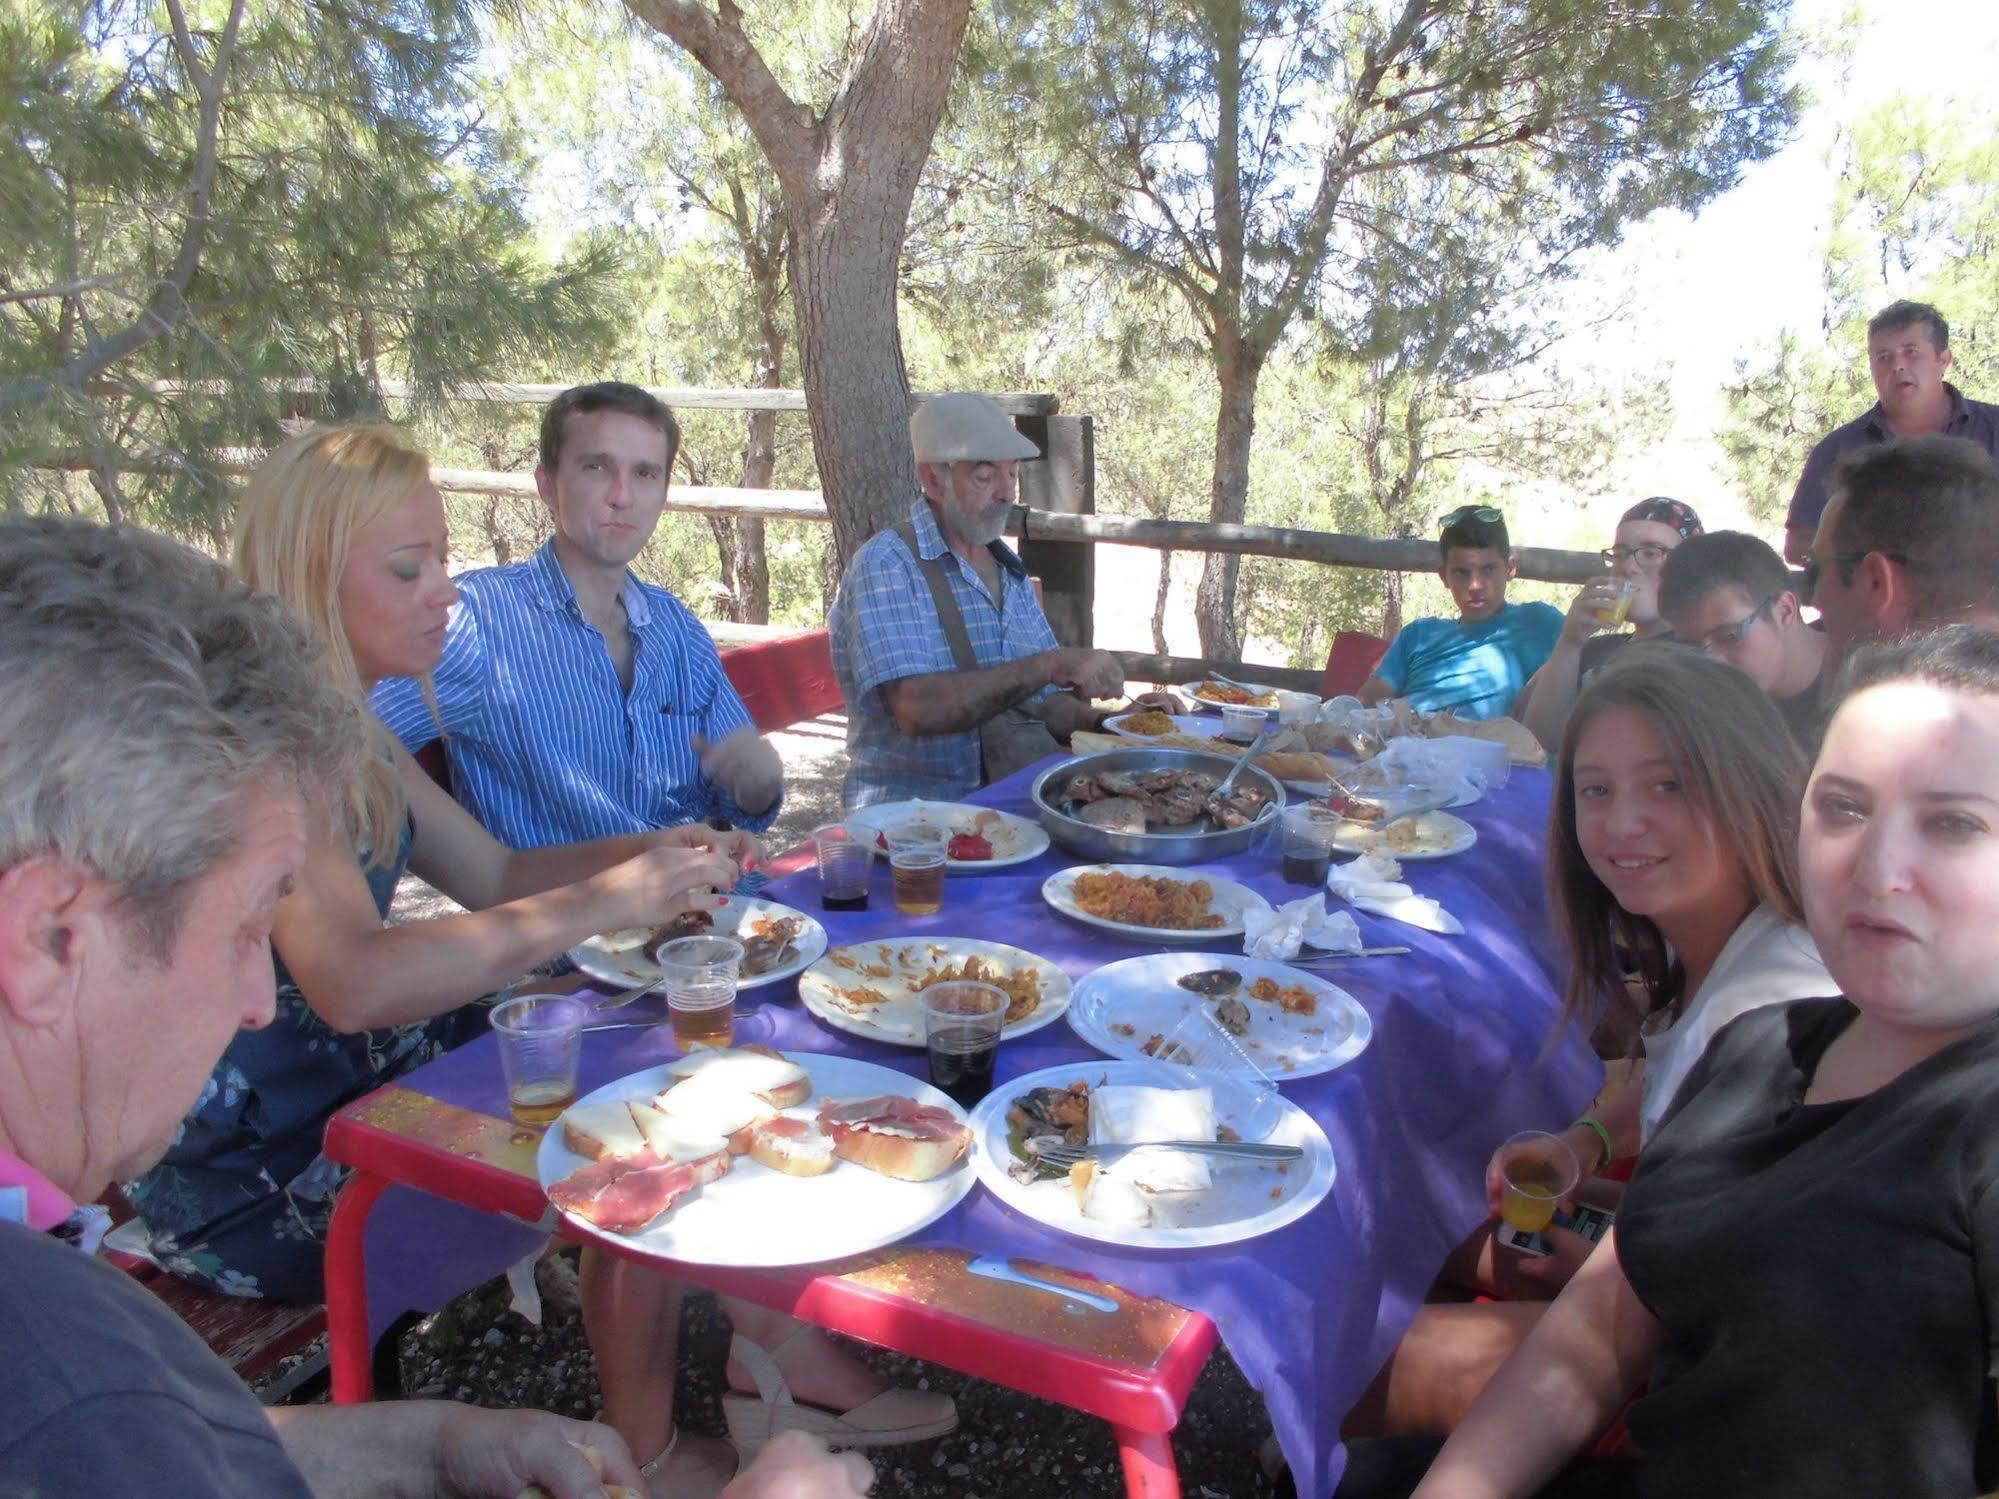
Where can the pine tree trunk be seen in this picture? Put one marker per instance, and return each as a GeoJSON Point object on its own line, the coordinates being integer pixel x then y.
{"type": "Point", "coordinates": [1391, 605]}
{"type": "Point", "coordinates": [1237, 368]}
{"type": "Point", "coordinates": [1159, 603]}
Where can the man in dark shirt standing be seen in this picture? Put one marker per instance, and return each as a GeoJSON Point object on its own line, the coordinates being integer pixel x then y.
{"type": "Point", "coordinates": [1908, 351]}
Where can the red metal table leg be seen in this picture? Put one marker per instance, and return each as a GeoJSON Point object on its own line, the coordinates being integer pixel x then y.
{"type": "Point", "coordinates": [1149, 1472]}
{"type": "Point", "coordinates": [347, 1345]}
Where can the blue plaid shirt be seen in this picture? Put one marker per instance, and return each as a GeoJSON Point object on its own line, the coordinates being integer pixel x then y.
{"type": "Point", "coordinates": [884, 627]}
{"type": "Point", "coordinates": [545, 744]}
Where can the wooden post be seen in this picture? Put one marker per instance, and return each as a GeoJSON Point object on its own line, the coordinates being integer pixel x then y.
{"type": "Point", "coordinates": [1063, 481]}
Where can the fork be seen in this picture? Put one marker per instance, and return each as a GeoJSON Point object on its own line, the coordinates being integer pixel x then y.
{"type": "Point", "coordinates": [1334, 957]}
{"type": "Point", "coordinates": [1062, 1156]}
{"type": "Point", "coordinates": [630, 996]}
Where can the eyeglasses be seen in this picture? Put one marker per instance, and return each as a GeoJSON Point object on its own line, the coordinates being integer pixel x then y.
{"type": "Point", "coordinates": [1727, 635]}
{"type": "Point", "coordinates": [1647, 554]}
{"type": "Point", "coordinates": [1471, 512]}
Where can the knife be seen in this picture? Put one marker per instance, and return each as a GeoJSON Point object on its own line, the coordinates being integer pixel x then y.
{"type": "Point", "coordinates": [998, 1267]}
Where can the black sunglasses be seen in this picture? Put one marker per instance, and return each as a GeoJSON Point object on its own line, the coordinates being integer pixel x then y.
{"type": "Point", "coordinates": [1470, 512]}
{"type": "Point", "coordinates": [1846, 562]}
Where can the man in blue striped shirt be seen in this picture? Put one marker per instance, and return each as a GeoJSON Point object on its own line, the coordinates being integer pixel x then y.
{"type": "Point", "coordinates": [952, 675]}
{"type": "Point", "coordinates": [579, 702]}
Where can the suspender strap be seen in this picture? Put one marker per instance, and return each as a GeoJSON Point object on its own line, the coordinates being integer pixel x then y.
{"type": "Point", "coordinates": [949, 615]}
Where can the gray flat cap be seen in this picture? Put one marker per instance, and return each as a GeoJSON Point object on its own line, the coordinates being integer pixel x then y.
{"type": "Point", "coordinates": [965, 428]}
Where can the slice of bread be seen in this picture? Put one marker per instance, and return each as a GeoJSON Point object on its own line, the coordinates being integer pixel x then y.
{"type": "Point", "coordinates": [670, 1139]}
{"type": "Point", "coordinates": [704, 1107]}
{"type": "Point", "coordinates": [602, 1131]}
{"type": "Point", "coordinates": [781, 1083]}
{"type": "Point", "coordinates": [797, 1147]}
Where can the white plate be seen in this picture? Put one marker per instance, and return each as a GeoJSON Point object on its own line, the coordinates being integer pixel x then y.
{"type": "Point", "coordinates": [899, 1021]}
{"type": "Point", "coordinates": [1015, 840]}
{"type": "Point", "coordinates": [1428, 835]}
{"type": "Point", "coordinates": [1195, 725]}
{"type": "Point", "coordinates": [1122, 1005]}
{"type": "Point", "coordinates": [1209, 705]}
{"type": "Point", "coordinates": [1229, 901]}
{"type": "Point", "coordinates": [603, 958]}
{"type": "Point", "coordinates": [1240, 1205]}
{"type": "Point", "coordinates": [753, 1215]}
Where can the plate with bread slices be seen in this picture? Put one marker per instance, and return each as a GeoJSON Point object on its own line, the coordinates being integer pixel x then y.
{"type": "Point", "coordinates": [1150, 1199]}
{"type": "Point", "coordinates": [870, 989]}
{"type": "Point", "coordinates": [747, 1156]}
{"type": "Point", "coordinates": [778, 942]}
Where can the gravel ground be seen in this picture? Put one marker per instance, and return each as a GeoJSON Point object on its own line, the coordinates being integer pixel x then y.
{"type": "Point", "coordinates": [1007, 1444]}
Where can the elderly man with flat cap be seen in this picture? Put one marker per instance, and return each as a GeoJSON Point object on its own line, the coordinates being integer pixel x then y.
{"type": "Point", "coordinates": [952, 674]}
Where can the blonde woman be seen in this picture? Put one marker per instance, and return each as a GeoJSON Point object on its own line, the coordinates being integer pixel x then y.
{"type": "Point", "coordinates": [347, 528]}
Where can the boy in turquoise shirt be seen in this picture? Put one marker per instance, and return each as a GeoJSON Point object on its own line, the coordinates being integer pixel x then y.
{"type": "Point", "coordinates": [1475, 665]}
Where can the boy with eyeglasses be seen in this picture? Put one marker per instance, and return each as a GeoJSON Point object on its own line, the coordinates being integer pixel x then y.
{"type": "Point", "coordinates": [1646, 535]}
{"type": "Point", "coordinates": [1730, 595]}
{"type": "Point", "coordinates": [1472, 666]}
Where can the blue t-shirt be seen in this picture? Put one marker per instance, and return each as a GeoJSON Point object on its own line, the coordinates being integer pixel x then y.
{"type": "Point", "coordinates": [1474, 671]}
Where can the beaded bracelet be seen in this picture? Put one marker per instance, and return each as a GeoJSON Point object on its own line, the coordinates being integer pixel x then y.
{"type": "Point", "coordinates": [1596, 1127]}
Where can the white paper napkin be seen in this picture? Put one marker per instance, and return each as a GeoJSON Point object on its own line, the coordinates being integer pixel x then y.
{"type": "Point", "coordinates": [1369, 883]}
{"type": "Point", "coordinates": [1279, 935]}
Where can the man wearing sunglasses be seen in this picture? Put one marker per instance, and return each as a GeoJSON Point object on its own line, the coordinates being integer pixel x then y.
{"type": "Point", "coordinates": [1909, 541]}
{"type": "Point", "coordinates": [1475, 665]}
{"type": "Point", "coordinates": [1730, 594]}
{"type": "Point", "coordinates": [1908, 353]}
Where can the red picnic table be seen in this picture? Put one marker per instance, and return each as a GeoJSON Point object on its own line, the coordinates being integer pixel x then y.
{"type": "Point", "coordinates": [1132, 1368]}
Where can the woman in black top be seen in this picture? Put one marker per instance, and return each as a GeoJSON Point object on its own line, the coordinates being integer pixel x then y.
{"type": "Point", "coordinates": [1806, 1270]}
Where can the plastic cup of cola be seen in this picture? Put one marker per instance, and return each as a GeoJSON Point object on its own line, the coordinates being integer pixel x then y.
{"type": "Point", "coordinates": [916, 857]}
{"type": "Point", "coordinates": [1307, 833]}
{"type": "Point", "coordinates": [541, 1042]}
{"type": "Point", "coordinates": [699, 976]}
{"type": "Point", "coordinates": [962, 1022]}
{"type": "Point", "coordinates": [846, 857]}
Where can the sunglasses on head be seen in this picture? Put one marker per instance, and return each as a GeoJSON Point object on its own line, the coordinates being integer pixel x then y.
{"type": "Point", "coordinates": [1471, 512]}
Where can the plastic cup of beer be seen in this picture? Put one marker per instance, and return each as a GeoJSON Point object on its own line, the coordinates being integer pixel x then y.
{"type": "Point", "coordinates": [962, 1022]}
{"type": "Point", "coordinates": [916, 857]}
{"type": "Point", "coordinates": [1539, 1170]}
{"type": "Point", "coordinates": [1614, 614]}
{"type": "Point", "coordinates": [846, 858]}
{"type": "Point", "coordinates": [698, 975]}
{"type": "Point", "coordinates": [541, 1041]}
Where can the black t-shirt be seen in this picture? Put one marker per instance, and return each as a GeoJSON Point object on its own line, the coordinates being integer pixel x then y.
{"type": "Point", "coordinates": [1826, 1275]}
{"type": "Point", "coordinates": [105, 1391]}
{"type": "Point", "coordinates": [1804, 715]}
{"type": "Point", "coordinates": [1596, 655]}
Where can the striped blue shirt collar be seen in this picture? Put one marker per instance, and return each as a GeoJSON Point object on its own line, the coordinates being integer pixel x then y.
{"type": "Point", "coordinates": [551, 589]}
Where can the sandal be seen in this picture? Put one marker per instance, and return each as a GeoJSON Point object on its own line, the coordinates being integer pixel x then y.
{"type": "Point", "coordinates": [885, 1420]}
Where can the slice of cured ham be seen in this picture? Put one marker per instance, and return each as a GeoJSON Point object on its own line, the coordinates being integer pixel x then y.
{"type": "Point", "coordinates": [894, 1135]}
{"type": "Point", "coordinates": [625, 1195]}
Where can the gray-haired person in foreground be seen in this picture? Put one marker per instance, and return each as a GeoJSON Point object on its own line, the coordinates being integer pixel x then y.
{"type": "Point", "coordinates": [166, 741]}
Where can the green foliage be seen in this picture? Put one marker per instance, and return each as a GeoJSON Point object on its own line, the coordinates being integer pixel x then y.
{"type": "Point", "coordinates": [259, 191]}
{"type": "Point", "coordinates": [1915, 214]}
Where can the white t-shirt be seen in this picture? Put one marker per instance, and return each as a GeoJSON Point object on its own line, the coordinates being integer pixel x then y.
{"type": "Point", "coordinates": [1767, 961]}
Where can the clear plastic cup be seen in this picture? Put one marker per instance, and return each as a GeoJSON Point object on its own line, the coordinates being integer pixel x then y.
{"type": "Point", "coordinates": [846, 858]}
{"type": "Point", "coordinates": [916, 857]}
{"type": "Point", "coordinates": [1539, 1171]}
{"type": "Point", "coordinates": [541, 1042]}
{"type": "Point", "coordinates": [699, 976]}
{"type": "Point", "coordinates": [1307, 833]}
{"type": "Point", "coordinates": [962, 1022]}
{"type": "Point", "coordinates": [1619, 610]}
{"type": "Point", "coordinates": [1240, 723]}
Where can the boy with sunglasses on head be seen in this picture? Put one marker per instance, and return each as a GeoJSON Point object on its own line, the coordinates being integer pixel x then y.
{"type": "Point", "coordinates": [1474, 665]}
{"type": "Point", "coordinates": [1646, 535]}
{"type": "Point", "coordinates": [1730, 595]}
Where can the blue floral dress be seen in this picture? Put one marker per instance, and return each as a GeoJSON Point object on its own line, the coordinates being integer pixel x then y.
{"type": "Point", "coordinates": [241, 1200]}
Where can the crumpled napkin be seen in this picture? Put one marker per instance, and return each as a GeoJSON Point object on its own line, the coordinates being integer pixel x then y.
{"type": "Point", "coordinates": [1370, 884]}
{"type": "Point", "coordinates": [1278, 935]}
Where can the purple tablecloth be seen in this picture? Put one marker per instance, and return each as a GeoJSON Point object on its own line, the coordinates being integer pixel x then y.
{"type": "Point", "coordinates": [1309, 1312]}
